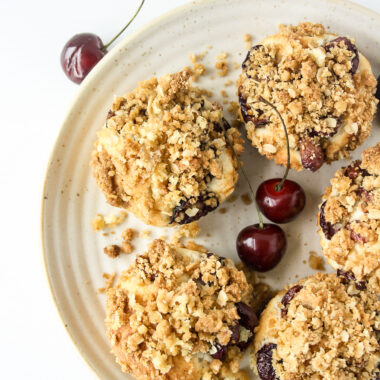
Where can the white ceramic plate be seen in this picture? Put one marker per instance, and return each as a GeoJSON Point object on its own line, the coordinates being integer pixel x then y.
{"type": "Point", "coordinates": [73, 253]}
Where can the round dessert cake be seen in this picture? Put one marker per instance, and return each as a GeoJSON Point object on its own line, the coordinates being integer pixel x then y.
{"type": "Point", "coordinates": [323, 328]}
{"type": "Point", "coordinates": [349, 220]}
{"type": "Point", "coordinates": [323, 88]}
{"type": "Point", "coordinates": [163, 155]}
{"type": "Point", "coordinates": [179, 314]}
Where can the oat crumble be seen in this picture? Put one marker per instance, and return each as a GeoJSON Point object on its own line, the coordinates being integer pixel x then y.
{"type": "Point", "coordinates": [323, 88]}
{"type": "Point", "coordinates": [110, 278]}
{"type": "Point", "coordinates": [326, 330]}
{"type": "Point", "coordinates": [101, 222]}
{"type": "Point", "coordinates": [162, 153]}
{"type": "Point", "coordinates": [316, 262]}
{"type": "Point", "coordinates": [221, 65]}
{"type": "Point", "coordinates": [172, 310]}
{"type": "Point", "coordinates": [112, 250]}
{"type": "Point", "coordinates": [349, 219]}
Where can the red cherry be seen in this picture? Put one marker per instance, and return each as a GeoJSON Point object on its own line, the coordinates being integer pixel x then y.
{"type": "Point", "coordinates": [280, 206]}
{"type": "Point", "coordinates": [261, 248]}
{"type": "Point", "coordinates": [83, 51]}
{"type": "Point", "coordinates": [80, 54]}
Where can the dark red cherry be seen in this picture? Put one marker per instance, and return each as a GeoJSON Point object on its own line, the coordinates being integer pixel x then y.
{"type": "Point", "coordinates": [80, 54]}
{"type": "Point", "coordinates": [280, 206]}
{"type": "Point", "coordinates": [261, 248]}
{"type": "Point", "coordinates": [265, 362]}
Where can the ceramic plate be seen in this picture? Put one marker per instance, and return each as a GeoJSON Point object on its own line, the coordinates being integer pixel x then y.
{"type": "Point", "coordinates": [74, 253]}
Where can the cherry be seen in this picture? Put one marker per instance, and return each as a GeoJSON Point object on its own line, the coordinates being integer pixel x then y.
{"type": "Point", "coordinates": [261, 247]}
{"type": "Point", "coordinates": [280, 200]}
{"type": "Point", "coordinates": [280, 205]}
{"type": "Point", "coordinates": [83, 51]}
{"type": "Point", "coordinates": [80, 54]}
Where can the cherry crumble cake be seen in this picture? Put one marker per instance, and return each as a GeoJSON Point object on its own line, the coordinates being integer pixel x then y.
{"type": "Point", "coordinates": [322, 86]}
{"type": "Point", "coordinates": [349, 220]}
{"type": "Point", "coordinates": [163, 155]}
{"type": "Point", "coordinates": [322, 328]}
{"type": "Point", "coordinates": [179, 314]}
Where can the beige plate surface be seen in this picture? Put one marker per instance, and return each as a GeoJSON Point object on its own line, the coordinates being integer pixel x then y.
{"type": "Point", "coordinates": [73, 253]}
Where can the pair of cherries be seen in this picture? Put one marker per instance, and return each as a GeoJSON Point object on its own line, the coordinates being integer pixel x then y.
{"type": "Point", "coordinates": [261, 246]}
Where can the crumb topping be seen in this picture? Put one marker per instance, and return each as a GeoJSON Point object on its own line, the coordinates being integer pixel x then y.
{"type": "Point", "coordinates": [349, 219]}
{"type": "Point", "coordinates": [101, 222]}
{"type": "Point", "coordinates": [163, 147]}
{"type": "Point", "coordinates": [330, 331]}
{"type": "Point", "coordinates": [112, 250]}
{"type": "Point", "coordinates": [322, 87]}
{"type": "Point", "coordinates": [175, 303]}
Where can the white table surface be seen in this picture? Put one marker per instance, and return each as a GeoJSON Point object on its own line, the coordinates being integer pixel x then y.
{"type": "Point", "coordinates": [34, 97]}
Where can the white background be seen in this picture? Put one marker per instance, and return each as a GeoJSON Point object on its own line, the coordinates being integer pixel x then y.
{"type": "Point", "coordinates": [34, 97]}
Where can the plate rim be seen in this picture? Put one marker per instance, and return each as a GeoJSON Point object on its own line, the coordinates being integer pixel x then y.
{"type": "Point", "coordinates": [123, 43]}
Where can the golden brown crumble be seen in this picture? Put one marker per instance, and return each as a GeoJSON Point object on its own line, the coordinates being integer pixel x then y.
{"type": "Point", "coordinates": [330, 331]}
{"type": "Point", "coordinates": [192, 245]}
{"type": "Point", "coordinates": [169, 312]}
{"type": "Point", "coordinates": [316, 262]}
{"type": "Point", "coordinates": [247, 38]}
{"type": "Point", "coordinates": [101, 222]}
{"type": "Point", "coordinates": [112, 250]}
{"type": "Point", "coordinates": [145, 234]}
{"type": "Point", "coordinates": [162, 153]}
{"type": "Point", "coordinates": [322, 87]}
{"type": "Point", "coordinates": [198, 69]}
{"type": "Point", "coordinates": [128, 234]}
{"type": "Point", "coordinates": [127, 247]}
{"type": "Point", "coordinates": [349, 219]}
{"type": "Point", "coordinates": [110, 278]}
{"type": "Point", "coordinates": [221, 65]}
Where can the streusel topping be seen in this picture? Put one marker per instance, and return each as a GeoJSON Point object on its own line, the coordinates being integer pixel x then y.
{"type": "Point", "coordinates": [163, 153]}
{"type": "Point", "coordinates": [175, 304]}
{"type": "Point", "coordinates": [330, 331]}
{"type": "Point", "coordinates": [322, 86]}
{"type": "Point", "coordinates": [349, 219]}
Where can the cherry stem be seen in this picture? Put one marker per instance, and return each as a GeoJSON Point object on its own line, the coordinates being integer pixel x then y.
{"type": "Point", "coordinates": [279, 185]}
{"type": "Point", "coordinates": [104, 48]}
{"type": "Point", "coordinates": [240, 166]}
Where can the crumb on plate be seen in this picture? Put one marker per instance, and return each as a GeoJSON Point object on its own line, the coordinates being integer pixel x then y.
{"type": "Point", "coordinates": [112, 250]}
{"type": "Point", "coordinates": [221, 65]}
{"type": "Point", "coordinates": [110, 278]}
{"type": "Point", "coordinates": [101, 222]}
{"type": "Point", "coordinates": [316, 262]}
